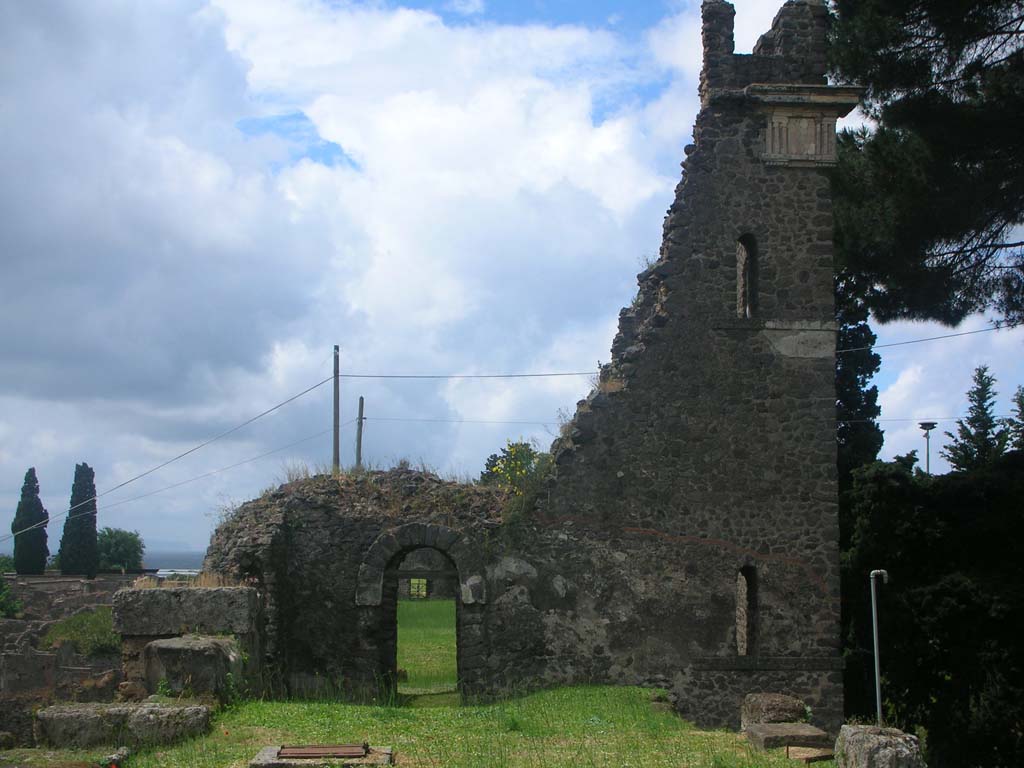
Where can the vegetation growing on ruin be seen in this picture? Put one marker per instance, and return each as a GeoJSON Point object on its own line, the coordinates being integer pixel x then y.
{"type": "Point", "coordinates": [91, 632]}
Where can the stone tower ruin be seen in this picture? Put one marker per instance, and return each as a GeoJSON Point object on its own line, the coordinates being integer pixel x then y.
{"type": "Point", "coordinates": [688, 536]}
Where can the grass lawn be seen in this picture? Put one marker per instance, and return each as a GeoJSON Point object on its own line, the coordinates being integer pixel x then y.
{"type": "Point", "coordinates": [597, 727]}
{"type": "Point", "coordinates": [426, 646]}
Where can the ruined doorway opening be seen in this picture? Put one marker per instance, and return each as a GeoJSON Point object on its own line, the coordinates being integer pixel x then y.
{"type": "Point", "coordinates": [425, 620]}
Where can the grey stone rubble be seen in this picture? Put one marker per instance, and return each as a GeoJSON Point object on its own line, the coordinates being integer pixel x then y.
{"type": "Point", "coordinates": [687, 538]}
{"type": "Point", "coordinates": [146, 724]}
{"type": "Point", "coordinates": [775, 735]}
{"type": "Point", "coordinates": [267, 758]}
{"type": "Point", "coordinates": [868, 746]}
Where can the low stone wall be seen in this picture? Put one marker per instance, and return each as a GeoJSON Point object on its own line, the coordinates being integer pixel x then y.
{"type": "Point", "coordinates": [146, 616]}
{"type": "Point", "coordinates": [51, 596]}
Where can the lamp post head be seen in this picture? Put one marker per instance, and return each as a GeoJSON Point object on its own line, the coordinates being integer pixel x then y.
{"type": "Point", "coordinates": [928, 426]}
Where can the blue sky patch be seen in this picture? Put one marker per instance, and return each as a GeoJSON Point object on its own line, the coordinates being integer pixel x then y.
{"type": "Point", "coordinates": [300, 133]}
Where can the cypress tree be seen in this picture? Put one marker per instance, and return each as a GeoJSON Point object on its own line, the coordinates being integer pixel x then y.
{"type": "Point", "coordinates": [30, 550]}
{"type": "Point", "coordinates": [79, 551]}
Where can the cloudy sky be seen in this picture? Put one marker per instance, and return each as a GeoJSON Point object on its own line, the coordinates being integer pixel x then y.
{"type": "Point", "coordinates": [201, 197]}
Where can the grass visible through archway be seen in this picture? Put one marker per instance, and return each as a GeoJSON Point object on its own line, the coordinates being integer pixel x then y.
{"type": "Point", "coordinates": [427, 649]}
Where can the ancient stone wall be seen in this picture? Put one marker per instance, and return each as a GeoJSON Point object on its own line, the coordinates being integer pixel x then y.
{"type": "Point", "coordinates": [688, 537]}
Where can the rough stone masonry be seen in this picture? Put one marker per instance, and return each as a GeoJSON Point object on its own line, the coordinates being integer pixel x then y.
{"type": "Point", "coordinates": [688, 536]}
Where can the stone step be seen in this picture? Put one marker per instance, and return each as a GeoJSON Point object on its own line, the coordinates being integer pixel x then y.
{"type": "Point", "coordinates": [808, 755]}
{"type": "Point", "coordinates": [775, 735]}
{"type": "Point", "coordinates": [145, 724]}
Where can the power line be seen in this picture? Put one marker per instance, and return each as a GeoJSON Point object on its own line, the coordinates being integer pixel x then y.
{"type": "Point", "coordinates": [930, 338]}
{"type": "Point", "coordinates": [180, 456]}
{"type": "Point", "coordinates": [463, 375]}
{"type": "Point", "coordinates": [459, 421]}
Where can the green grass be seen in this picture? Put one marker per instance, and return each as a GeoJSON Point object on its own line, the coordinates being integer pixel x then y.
{"type": "Point", "coordinates": [598, 727]}
{"type": "Point", "coordinates": [426, 646]}
{"type": "Point", "coordinates": [91, 632]}
{"type": "Point", "coordinates": [593, 727]}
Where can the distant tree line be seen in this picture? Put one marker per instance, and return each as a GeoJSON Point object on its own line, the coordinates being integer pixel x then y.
{"type": "Point", "coordinates": [82, 550]}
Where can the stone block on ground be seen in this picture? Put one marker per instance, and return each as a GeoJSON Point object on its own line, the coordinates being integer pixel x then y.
{"type": "Point", "coordinates": [267, 758]}
{"type": "Point", "coordinates": [194, 665]}
{"type": "Point", "coordinates": [771, 708]}
{"type": "Point", "coordinates": [88, 725]}
{"type": "Point", "coordinates": [869, 746]}
{"type": "Point", "coordinates": [178, 611]}
{"type": "Point", "coordinates": [774, 735]}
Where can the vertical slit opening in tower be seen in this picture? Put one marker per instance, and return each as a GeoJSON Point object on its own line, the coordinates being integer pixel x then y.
{"type": "Point", "coordinates": [746, 277]}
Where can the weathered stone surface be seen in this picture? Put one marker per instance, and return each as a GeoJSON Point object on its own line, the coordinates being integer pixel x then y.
{"type": "Point", "coordinates": [7, 740]}
{"type": "Point", "coordinates": [267, 758]}
{"type": "Point", "coordinates": [771, 708]}
{"type": "Point", "coordinates": [194, 665]}
{"type": "Point", "coordinates": [868, 746]}
{"type": "Point", "coordinates": [177, 611]}
{"type": "Point", "coordinates": [774, 735]}
{"type": "Point", "coordinates": [88, 725]}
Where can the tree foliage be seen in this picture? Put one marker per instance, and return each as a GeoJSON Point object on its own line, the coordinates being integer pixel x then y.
{"type": "Point", "coordinates": [980, 438]}
{"type": "Point", "coordinates": [857, 433]}
{"type": "Point", "coordinates": [79, 553]}
{"type": "Point", "coordinates": [927, 204]}
{"type": "Point", "coordinates": [120, 549]}
{"type": "Point", "coordinates": [1015, 424]}
{"type": "Point", "coordinates": [9, 607]}
{"type": "Point", "coordinates": [30, 550]}
{"type": "Point", "coordinates": [952, 661]}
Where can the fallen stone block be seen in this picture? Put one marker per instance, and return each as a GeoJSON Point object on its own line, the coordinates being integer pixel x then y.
{"type": "Point", "coordinates": [869, 746]}
{"type": "Point", "coordinates": [775, 735]}
{"type": "Point", "coordinates": [88, 725]}
{"type": "Point", "coordinates": [771, 708]}
{"type": "Point", "coordinates": [194, 665]}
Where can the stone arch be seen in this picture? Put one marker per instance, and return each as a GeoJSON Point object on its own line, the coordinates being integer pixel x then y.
{"type": "Point", "coordinates": [746, 276]}
{"type": "Point", "coordinates": [405, 538]}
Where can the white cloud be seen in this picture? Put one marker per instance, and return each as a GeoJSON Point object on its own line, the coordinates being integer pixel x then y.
{"type": "Point", "coordinates": [466, 7]}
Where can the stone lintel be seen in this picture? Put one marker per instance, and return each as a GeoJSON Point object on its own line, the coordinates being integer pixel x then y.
{"type": "Point", "coordinates": [838, 100]}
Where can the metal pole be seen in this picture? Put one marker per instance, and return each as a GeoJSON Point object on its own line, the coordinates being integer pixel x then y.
{"type": "Point", "coordinates": [928, 426]}
{"type": "Point", "coordinates": [336, 462]}
{"type": "Point", "coordinates": [874, 628]}
{"type": "Point", "coordinates": [359, 436]}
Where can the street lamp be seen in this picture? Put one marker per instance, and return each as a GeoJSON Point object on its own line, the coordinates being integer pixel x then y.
{"type": "Point", "coordinates": [928, 426]}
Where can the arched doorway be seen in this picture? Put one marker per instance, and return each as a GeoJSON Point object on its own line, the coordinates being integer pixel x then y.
{"type": "Point", "coordinates": [377, 592]}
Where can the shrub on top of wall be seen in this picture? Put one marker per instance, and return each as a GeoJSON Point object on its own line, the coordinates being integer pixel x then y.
{"type": "Point", "coordinates": [91, 632]}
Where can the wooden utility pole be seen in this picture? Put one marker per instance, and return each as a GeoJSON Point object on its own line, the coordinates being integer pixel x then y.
{"type": "Point", "coordinates": [359, 436]}
{"type": "Point", "coordinates": [336, 463]}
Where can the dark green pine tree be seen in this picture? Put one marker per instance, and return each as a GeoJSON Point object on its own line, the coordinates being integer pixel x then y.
{"type": "Point", "coordinates": [79, 551]}
{"type": "Point", "coordinates": [980, 438]}
{"type": "Point", "coordinates": [1015, 424]}
{"type": "Point", "coordinates": [857, 433]}
{"type": "Point", "coordinates": [928, 202]}
{"type": "Point", "coordinates": [30, 550]}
